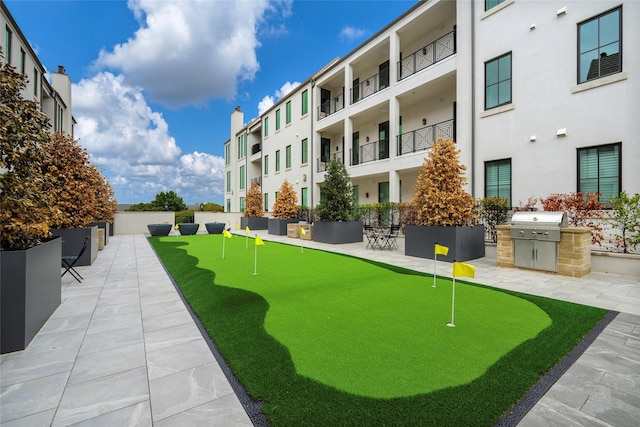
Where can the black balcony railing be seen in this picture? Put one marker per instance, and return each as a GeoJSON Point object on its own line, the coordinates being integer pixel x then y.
{"type": "Point", "coordinates": [369, 152]}
{"type": "Point", "coordinates": [428, 55]}
{"type": "Point", "coordinates": [256, 148]}
{"type": "Point", "coordinates": [421, 139]}
{"type": "Point", "coordinates": [324, 161]}
{"type": "Point", "coordinates": [257, 180]}
{"type": "Point", "coordinates": [331, 106]}
{"type": "Point", "coordinates": [370, 85]}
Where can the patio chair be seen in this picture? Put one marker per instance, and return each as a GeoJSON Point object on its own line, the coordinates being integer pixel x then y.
{"type": "Point", "coordinates": [372, 237]}
{"type": "Point", "coordinates": [68, 261]}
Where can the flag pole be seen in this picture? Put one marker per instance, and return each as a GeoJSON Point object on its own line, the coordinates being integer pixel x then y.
{"type": "Point", "coordinates": [255, 261]}
{"type": "Point", "coordinates": [453, 299]}
{"type": "Point", "coordinates": [223, 239]}
{"type": "Point", "coordinates": [435, 264]}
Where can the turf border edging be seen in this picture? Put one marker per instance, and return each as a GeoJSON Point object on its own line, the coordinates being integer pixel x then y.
{"type": "Point", "coordinates": [518, 411]}
{"type": "Point", "coordinates": [251, 407]}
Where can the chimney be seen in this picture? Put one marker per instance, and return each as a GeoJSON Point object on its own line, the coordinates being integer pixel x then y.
{"type": "Point", "coordinates": [61, 69]}
{"type": "Point", "coordinates": [237, 108]}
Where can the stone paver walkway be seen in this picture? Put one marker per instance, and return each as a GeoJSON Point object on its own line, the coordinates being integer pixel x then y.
{"type": "Point", "coordinates": [122, 349]}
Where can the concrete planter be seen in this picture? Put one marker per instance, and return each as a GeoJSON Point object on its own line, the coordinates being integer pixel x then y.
{"type": "Point", "coordinates": [73, 239]}
{"type": "Point", "coordinates": [260, 223]}
{"type": "Point", "coordinates": [278, 226]}
{"type": "Point", "coordinates": [188, 229]}
{"type": "Point", "coordinates": [30, 291]}
{"type": "Point", "coordinates": [464, 243]}
{"type": "Point", "coordinates": [107, 230]}
{"type": "Point", "coordinates": [337, 232]}
{"type": "Point", "coordinates": [159, 229]}
{"type": "Point", "coordinates": [214, 227]}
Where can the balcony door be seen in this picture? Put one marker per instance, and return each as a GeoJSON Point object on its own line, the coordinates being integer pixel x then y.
{"type": "Point", "coordinates": [383, 140]}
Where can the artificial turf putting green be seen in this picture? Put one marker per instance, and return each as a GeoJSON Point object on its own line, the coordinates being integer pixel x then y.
{"type": "Point", "coordinates": [345, 327]}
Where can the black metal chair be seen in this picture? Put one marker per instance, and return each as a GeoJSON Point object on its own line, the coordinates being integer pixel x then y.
{"type": "Point", "coordinates": [68, 261]}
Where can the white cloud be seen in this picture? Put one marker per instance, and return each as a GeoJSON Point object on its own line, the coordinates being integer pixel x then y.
{"type": "Point", "coordinates": [268, 101]}
{"type": "Point", "coordinates": [132, 142]}
{"type": "Point", "coordinates": [187, 52]}
{"type": "Point", "coordinates": [351, 33]}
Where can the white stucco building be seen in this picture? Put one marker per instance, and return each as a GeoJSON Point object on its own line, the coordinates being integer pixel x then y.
{"type": "Point", "coordinates": [55, 97]}
{"type": "Point", "coordinates": [540, 97]}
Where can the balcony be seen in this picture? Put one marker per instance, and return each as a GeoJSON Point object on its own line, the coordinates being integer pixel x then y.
{"type": "Point", "coordinates": [370, 85]}
{"type": "Point", "coordinates": [369, 152]}
{"type": "Point", "coordinates": [256, 148]}
{"type": "Point", "coordinates": [257, 180]}
{"type": "Point", "coordinates": [421, 139]}
{"type": "Point", "coordinates": [322, 162]}
{"type": "Point", "coordinates": [428, 55]}
{"type": "Point", "coordinates": [331, 106]}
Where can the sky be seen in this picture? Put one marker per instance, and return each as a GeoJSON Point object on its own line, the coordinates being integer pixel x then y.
{"type": "Point", "coordinates": [154, 82]}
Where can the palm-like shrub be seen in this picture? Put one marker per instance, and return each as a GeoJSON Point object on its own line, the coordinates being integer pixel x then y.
{"type": "Point", "coordinates": [26, 207]}
{"type": "Point", "coordinates": [439, 197]}
{"type": "Point", "coordinates": [336, 194]}
{"type": "Point", "coordinates": [253, 207]}
{"type": "Point", "coordinates": [286, 205]}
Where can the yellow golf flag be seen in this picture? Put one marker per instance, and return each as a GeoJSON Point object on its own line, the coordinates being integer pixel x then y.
{"type": "Point", "coordinates": [461, 269]}
{"type": "Point", "coordinates": [441, 250]}
{"type": "Point", "coordinates": [226, 234]}
{"type": "Point", "coordinates": [177, 226]}
{"type": "Point", "coordinates": [259, 241]}
{"type": "Point", "coordinates": [303, 231]}
{"type": "Point", "coordinates": [247, 230]}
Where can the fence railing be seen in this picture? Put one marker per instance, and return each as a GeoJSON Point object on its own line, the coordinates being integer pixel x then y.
{"type": "Point", "coordinates": [369, 152]}
{"type": "Point", "coordinates": [369, 86]}
{"type": "Point", "coordinates": [331, 106]}
{"type": "Point", "coordinates": [427, 55]}
{"type": "Point", "coordinates": [421, 139]}
{"type": "Point", "coordinates": [322, 162]}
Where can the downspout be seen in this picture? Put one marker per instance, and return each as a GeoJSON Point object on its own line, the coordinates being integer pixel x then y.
{"type": "Point", "coordinates": [473, 99]}
{"type": "Point", "coordinates": [311, 150]}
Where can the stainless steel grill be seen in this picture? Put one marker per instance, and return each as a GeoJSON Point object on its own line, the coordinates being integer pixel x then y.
{"type": "Point", "coordinates": [536, 236]}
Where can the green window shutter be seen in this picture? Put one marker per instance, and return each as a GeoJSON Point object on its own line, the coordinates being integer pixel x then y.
{"type": "Point", "coordinates": [228, 181]}
{"type": "Point", "coordinates": [242, 178]}
{"type": "Point", "coordinates": [266, 126]}
{"type": "Point", "coordinates": [278, 161]}
{"type": "Point", "coordinates": [305, 102]}
{"type": "Point", "coordinates": [305, 197]}
{"type": "Point", "coordinates": [266, 202]}
{"type": "Point", "coordinates": [278, 119]}
{"type": "Point", "coordinates": [288, 112]}
{"type": "Point", "coordinates": [266, 164]}
{"type": "Point", "coordinates": [241, 204]}
{"type": "Point", "coordinates": [305, 151]}
{"type": "Point", "coordinates": [288, 157]}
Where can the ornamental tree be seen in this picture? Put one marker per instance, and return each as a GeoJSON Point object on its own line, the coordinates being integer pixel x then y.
{"type": "Point", "coordinates": [253, 203]}
{"type": "Point", "coordinates": [286, 205]}
{"type": "Point", "coordinates": [625, 215]}
{"type": "Point", "coordinates": [26, 207]}
{"type": "Point", "coordinates": [439, 197]}
{"type": "Point", "coordinates": [336, 194]}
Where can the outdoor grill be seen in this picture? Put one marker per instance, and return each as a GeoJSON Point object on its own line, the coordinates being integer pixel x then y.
{"type": "Point", "coordinates": [536, 236]}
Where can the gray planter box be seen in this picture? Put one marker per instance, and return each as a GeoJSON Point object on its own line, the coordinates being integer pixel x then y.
{"type": "Point", "coordinates": [188, 229]}
{"type": "Point", "coordinates": [464, 243]}
{"type": "Point", "coordinates": [214, 227]}
{"type": "Point", "coordinates": [337, 232]}
{"type": "Point", "coordinates": [30, 291]}
{"type": "Point", "coordinates": [159, 229]}
{"type": "Point", "coordinates": [73, 239]}
{"type": "Point", "coordinates": [261, 223]}
{"type": "Point", "coordinates": [278, 226]}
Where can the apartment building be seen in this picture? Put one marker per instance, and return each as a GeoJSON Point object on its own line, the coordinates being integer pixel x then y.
{"type": "Point", "coordinates": [55, 97]}
{"type": "Point", "coordinates": [540, 97]}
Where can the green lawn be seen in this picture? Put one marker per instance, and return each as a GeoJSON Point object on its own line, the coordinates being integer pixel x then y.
{"type": "Point", "coordinates": [329, 339]}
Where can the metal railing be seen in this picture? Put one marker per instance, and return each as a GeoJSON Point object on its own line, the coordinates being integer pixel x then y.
{"type": "Point", "coordinates": [256, 148]}
{"type": "Point", "coordinates": [428, 55]}
{"type": "Point", "coordinates": [331, 106]}
{"type": "Point", "coordinates": [421, 139]}
{"type": "Point", "coordinates": [257, 180]}
{"type": "Point", "coordinates": [369, 152]}
{"type": "Point", "coordinates": [322, 162]}
{"type": "Point", "coordinates": [369, 86]}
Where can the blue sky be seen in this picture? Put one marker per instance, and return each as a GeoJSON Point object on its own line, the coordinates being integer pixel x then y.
{"type": "Point", "coordinates": [155, 82]}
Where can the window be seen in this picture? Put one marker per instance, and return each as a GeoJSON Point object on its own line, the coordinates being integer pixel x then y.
{"type": "Point", "coordinates": [227, 154]}
{"type": "Point", "coordinates": [242, 146]}
{"type": "Point", "coordinates": [266, 202]}
{"type": "Point", "coordinates": [241, 204]}
{"type": "Point", "coordinates": [599, 46]}
{"type": "Point", "coordinates": [266, 164]}
{"type": "Point", "coordinates": [242, 178]}
{"type": "Point", "coordinates": [304, 196]}
{"type": "Point", "coordinates": [288, 112]}
{"type": "Point", "coordinates": [228, 181]}
{"type": "Point", "coordinates": [228, 205]}
{"type": "Point", "coordinates": [7, 44]}
{"type": "Point", "coordinates": [497, 179]}
{"type": "Point", "coordinates": [277, 119]}
{"type": "Point", "coordinates": [305, 102]}
{"type": "Point", "coordinates": [383, 192]}
{"type": "Point", "coordinates": [288, 157]}
{"type": "Point", "coordinates": [266, 126]}
{"type": "Point", "coordinates": [278, 161]}
{"type": "Point", "coordinates": [305, 151]}
{"type": "Point", "coordinates": [488, 4]}
{"type": "Point", "coordinates": [35, 81]}
{"type": "Point", "coordinates": [23, 61]}
{"type": "Point", "coordinates": [599, 170]}
{"type": "Point", "coordinates": [497, 89]}
{"type": "Point", "coordinates": [355, 191]}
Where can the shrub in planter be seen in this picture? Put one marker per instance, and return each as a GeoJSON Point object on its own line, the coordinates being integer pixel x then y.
{"type": "Point", "coordinates": [285, 210]}
{"type": "Point", "coordinates": [30, 286]}
{"type": "Point", "coordinates": [254, 209]}
{"type": "Point", "coordinates": [625, 216]}
{"type": "Point", "coordinates": [336, 208]}
{"type": "Point", "coordinates": [583, 210]}
{"type": "Point", "coordinates": [441, 204]}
